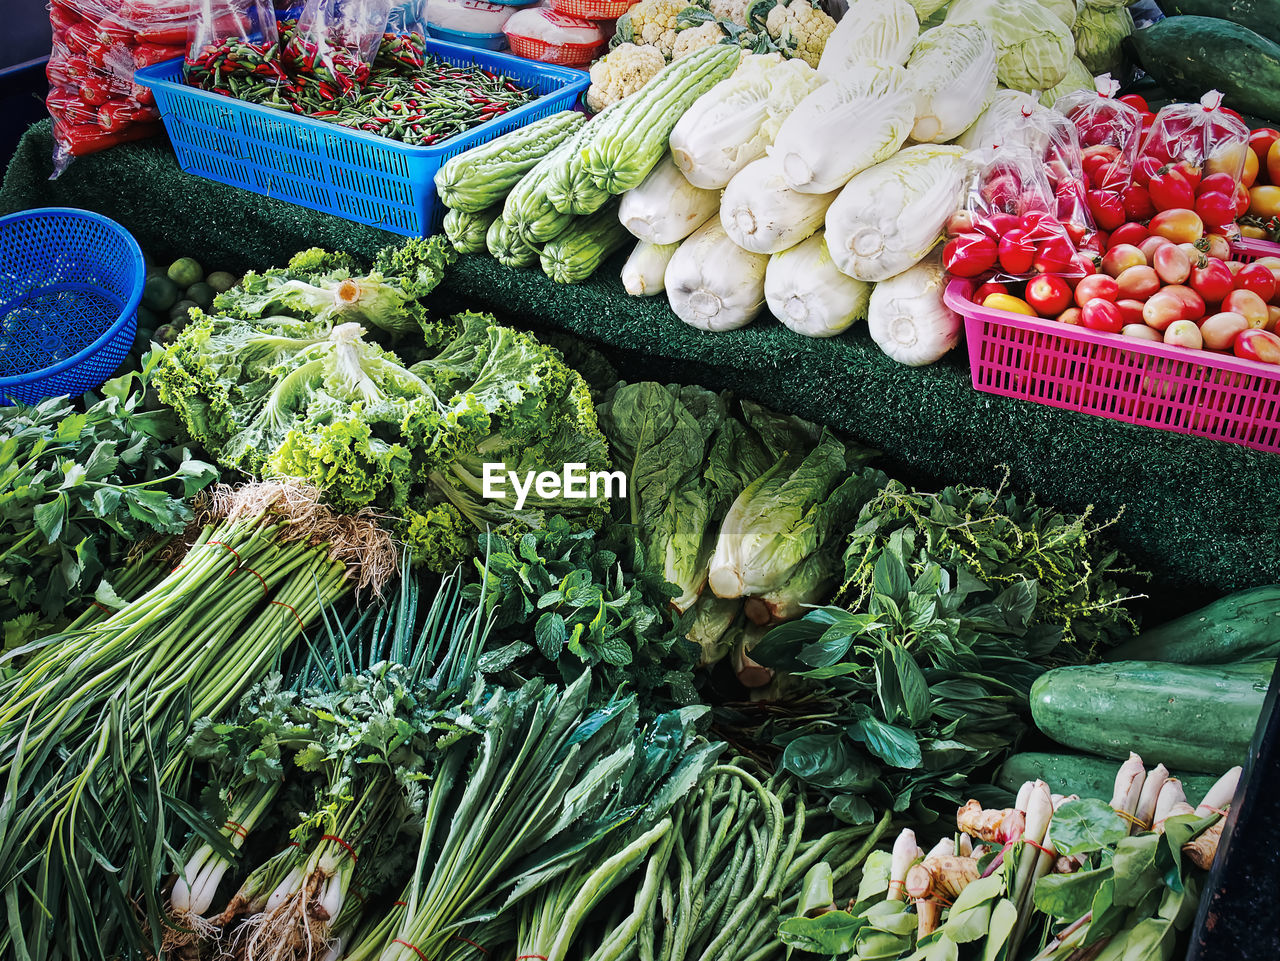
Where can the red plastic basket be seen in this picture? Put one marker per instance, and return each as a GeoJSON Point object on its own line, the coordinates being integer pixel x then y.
{"type": "Point", "coordinates": [593, 9]}
{"type": "Point", "coordinates": [1122, 378]}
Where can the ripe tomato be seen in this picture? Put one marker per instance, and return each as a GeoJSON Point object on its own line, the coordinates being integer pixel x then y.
{"type": "Point", "coordinates": [969, 255]}
{"type": "Point", "coordinates": [1144, 169]}
{"type": "Point", "coordinates": [1082, 265]}
{"type": "Point", "coordinates": [1260, 345]}
{"type": "Point", "coordinates": [1216, 209]}
{"type": "Point", "coordinates": [1220, 330]}
{"type": "Point", "coordinates": [1107, 207]}
{"type": "Point", "coordinates": [1184, 333]}
{"type": "Point", "coordinates": [1264, 201]}
{"type": "Point", "coordinates": [1171, 264]}
{"type": "Point", "coordinates": [1171, 190]}
{"type": "Point", "coordinates": [1100, 314]}
{"type": "Point", "coordinates": [1179, 224]}
{"type": "Point", "coordinates": [1260, 140]}
{"type": "Point", "coordinates": [1137, 203]}
{"type": "Point", "coordinates": [1131, 311]}
{"type": "Point", "coordinates": [1054, 257]}
{"type": "Point", "coordinates": [1193, 307]}
{"type": "Point", "coordinates": [1258, 278]}
{"type": "Point", "coordinates": [1189, 170]}
{"type": "Point", "coordinates": [1010, 304]}
{"type": "Point", "coordinates": [1243, 199]}
{"type": "Point", "coordinates": [1136, 102]}
{"type": "Point", "coordinates": [1162, 310]}
{"type": "Point", "coordinates": [1097, 287]}
{"type": "Point", "coordinates": [1220, 182]}
{"type": "Point", "coordinates": [1273, 163]}
{"type": "Point", "coordinates": [1130, 233]}
{"type": "Point", "coordinates": [1218, 246]}
{"type": "Point", "coordinates": [1249, 306]}
{"type": "Point", "coordinates": [1252, 164]}
{"type": "Point", "coordinates": [1138, 283]}
{"type": "Point", "coordinates": [1120, 258]}
{"type": "Point", "coordinates": [987, 289]}
{"type": "Point", "coordinates": [1050, 296]}
{"type": "Point", "coordinates": [1151, 245]}
{"type": "Point", "coordinates": [1016, 252]}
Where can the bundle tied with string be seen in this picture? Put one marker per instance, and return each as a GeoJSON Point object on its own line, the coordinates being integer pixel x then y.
{"type": "Point", "coordinates": [92, 721]}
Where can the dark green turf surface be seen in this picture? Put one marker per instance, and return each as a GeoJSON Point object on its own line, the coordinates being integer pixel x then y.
{"type": "Point", "coordinates": [1203, 516]}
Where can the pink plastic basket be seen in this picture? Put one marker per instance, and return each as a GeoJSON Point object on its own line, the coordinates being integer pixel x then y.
{"type": "Point", "coordinates": [1109, 375]}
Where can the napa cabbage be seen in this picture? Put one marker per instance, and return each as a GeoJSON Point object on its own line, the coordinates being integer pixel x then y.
{"type": "Point", "coordinates": [952, 72]}
{"type": "Point", "coordinates": [1033, 43]}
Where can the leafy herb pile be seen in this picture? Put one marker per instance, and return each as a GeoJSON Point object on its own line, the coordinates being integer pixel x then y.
{"type": "Point", "coordinates": [565, 601]}
{"type": "Point", "coordinates": [79, 491]}
{"type": "Point", "coordinates": [953, 604]}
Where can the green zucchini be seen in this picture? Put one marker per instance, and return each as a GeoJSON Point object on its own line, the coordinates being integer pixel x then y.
{"type": "Point", "coordinates": [574, 255]}
{"type": "Point", "coordinates": [1193, 718]}
{"type": "Point", "coordinates": [482, 176]}
{"type": "Point", "coordinates": [623, 145]}
{"type": "Point", "coordinates": [1240, 626]}
{"type": "Point", "coordinates": [1190, 55]}
{"type": "Point", "coordinates": [466, 230]}
{"type": "Point", "coordinates": [1260, 16]}
{"type": "Point", "coordinates": [1083, 775]}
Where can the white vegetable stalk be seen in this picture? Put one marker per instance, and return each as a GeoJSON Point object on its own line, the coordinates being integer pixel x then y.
{"type": "Point", "coordinates": [908, 319]}
{"type": "Point", "coordinates": [1033, 863]}
{"type": "Point", "coordinates": [712, 283]}
{"type": "Point", "coordinates": [761, 213]}
{"type": "Point", "coordinates": [1128, 787]}
{"type": "Point", "coordinates": [643, 272]}
{"type": "Point", "coordinates": [888, 218]}
{"type": "Point", "coordinates": [953, 73]}
{"type": "Point", "coordinates": [666, 208]}
{"type": "Point", "coordinates": [1152, 785]}
{"type": "Point", "coordinates": [870, 30]}
{"type": "Point", "coordinates": [807, 292]}
{"type": "Point", "coordinates": [1219, 796]}
{"type": "Point", "coordinates": [1171, 803]}
{"type": "Point", "coordinates": [722, 131]}
{"type": "Point", "coordinates": [905, 851]}
{"type": "Point", "coordinates": [845, 126]}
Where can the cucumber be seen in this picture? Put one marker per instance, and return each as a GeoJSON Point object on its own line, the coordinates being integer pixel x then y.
{"type": "Point", "coordinates": [1261, 16]}
{"type": "Point", "coordinates": [1239, 626]}
{"type": "Point", "coordinates": [1083, 775]}
{"type": "Point", "coordinates": [483, 175]}
{"type": "Point", "coordinates": [1189, 55]}
{"type": "Point", "coordinates": [1194, 718]}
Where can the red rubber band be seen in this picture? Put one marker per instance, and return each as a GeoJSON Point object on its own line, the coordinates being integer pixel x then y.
{"type": "Point", "coordinates": [237, 828]}
{"type": "Point", "coordinates": [1052, 852]}
{"type": "Point", "coordinates": [1218, 811]}
{"type": "Point", "coordinates": [458, 937]}
{"type": "Point", "coordinates": [400, 904]}
{"type": "Point", "coordinates": [411, 948]}
{"type": "Point", "coordinates": [102, 607]}
{"type": "Point", "coordinates": [233, 551]}
{"type": "Point", "coordinates": [332, 837]}
{"type": "Point", "coordinates": [260, 578]}
{"type": "Point", "coordinates": [300, 625]}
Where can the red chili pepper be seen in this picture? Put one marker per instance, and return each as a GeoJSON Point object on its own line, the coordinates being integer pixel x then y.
{"type": "Point", "coordinates": [62, 17]}
{"type": "Point", "coordinates": [118, 114]}
{"type": "Point", "coordinates": [96, 89]}
{"type": "Point", "coordinates": [146, 54]}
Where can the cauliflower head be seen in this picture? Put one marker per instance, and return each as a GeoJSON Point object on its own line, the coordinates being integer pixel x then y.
{"type": "Point", "coordinates": [621, 73]}
{"type": "Point", "coordinates": [652, 23]}
{"type": "Point", "coordinates": [735, 11]}
{"type": "Point", "coordinates": [800, 28]}
{"type": "Point", "coordinates": [696, 38]}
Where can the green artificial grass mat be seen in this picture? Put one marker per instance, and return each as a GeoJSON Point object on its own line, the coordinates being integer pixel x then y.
{"type": "Point", "coordinates": [1203, 516]}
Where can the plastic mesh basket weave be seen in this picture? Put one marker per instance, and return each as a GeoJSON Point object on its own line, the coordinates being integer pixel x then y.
{"type": "Point", "coordinates": [70, 283]}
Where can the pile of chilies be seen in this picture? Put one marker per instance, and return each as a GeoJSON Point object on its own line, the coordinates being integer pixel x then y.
{"type": "Point", "coordinates": [407, 95]}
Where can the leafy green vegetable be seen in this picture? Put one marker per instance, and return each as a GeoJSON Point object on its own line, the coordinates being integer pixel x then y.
{"type": "Point", "coordinates": [1085, 825]}
{"type": "Point", "coordinates": [564, 602]}
{"type": "Point", "coordinates": [79, 489]}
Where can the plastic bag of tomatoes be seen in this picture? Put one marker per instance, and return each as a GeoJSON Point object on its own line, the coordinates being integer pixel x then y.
{"type": "Point", "coordinates": [1009, 228]}
{"type": "Point", "coordinates": [1109, 131]}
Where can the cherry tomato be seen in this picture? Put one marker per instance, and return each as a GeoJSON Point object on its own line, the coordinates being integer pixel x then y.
{"type": "Point", "coordinates": [1138, 330]}
{"type": "Point", "coordinates": [1178, 224]}
{"type": "Point", "coordinates": [1054, 257]}
{"type": "Point", "coordinates": [1170, 190]}
{"type": "Point", "coordinates": [1049, 295]}
{"type": "Point", "coordinates": [1249, 306]}
{"type": "Point", "coordinates": [1136, 102]}
{"type": "Point", "coordinates": [1259, 345]}
{"type": "Point", "coordinates": [1193, 306]}
{"type": "Point", "coordinates": [1137, 203]}
{"type": "Point", "coordinates": [1082, 265]}
{"type": "Point", "coordinates": [1220, 182]}
{"type": "Point", "coordinates": [1258, 278]}
{"type": "Point", "coordinates": [1273, 163]}
{"type": "Point", "coordinates": [1107, 207]}
{"type": "Point", "coordinates": [1130, 233]}
{"type": "Point", "coordinates": [1152, 244]}
{"type": "Point", "coordinates": [1260, 140]}
{"type": "Point", "coordinates": [1264, 201]}
{"type": "Point", "coordinates": [1190, 171]}
{"type": "Point", "coordinates": [1243, 198]}
{"type": "Point", "coordinates": [1212, 280]}
{"type": "Point", "coordinates": [1138, 283]}
{"type": "Point", "coordinates": [1120, 258]}
{"type": "Point", "coordinates": [1216, 209]}
{"type": "Point", "coordinates": [961, 222]}
{"type": "Point", "coordinates": [969, 255]}
{"type": "Point", "coordinates": [1221, 330]}
{"type": "Point", "coordinates": [1184, 333]}
{"type": "Point", "coordinates": [987, 289]}
{"type": "Point", "coordinates": [1217, 246]}
{"type": "Point", "coordinates": [1070, 316]}
{"type": "Point", "coordinates": [1252, 164]}
{"type": "Point", "coordinates": [1009, 303]}
{"type": "Point", "coordinates": [1144, 169]}
{"type": "Point", "coordinates": [1096, 287]}
{"type": "Point", "coordinates": [1100, 314]}
{"type": "Point", "coordinates": [1162, 310]}
{"type": "Point", "coordinates": [1015, 252]}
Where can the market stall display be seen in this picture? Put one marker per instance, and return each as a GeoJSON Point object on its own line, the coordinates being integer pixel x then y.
{"type": "Point", "coordinates": [489, 644]}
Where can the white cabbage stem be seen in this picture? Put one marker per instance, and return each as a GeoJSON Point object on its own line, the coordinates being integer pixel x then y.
{"type": "Point", "coordinates": [908, 319]}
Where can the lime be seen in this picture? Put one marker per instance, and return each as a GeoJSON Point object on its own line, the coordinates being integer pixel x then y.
{"type": "Point", "coordinates": [221, 281]}
{"type": "Point", "coordinates": [178, 314]}
{"type": "Point", "coordinates": [202, 293]}
{"type": "Point", "coordinates": [159, 293]}
{"type": "Point", "coordinates": [184, 272]}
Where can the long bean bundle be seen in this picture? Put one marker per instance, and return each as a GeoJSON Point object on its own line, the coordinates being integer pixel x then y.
{"type": "Point", "coordinates": [91, 726]}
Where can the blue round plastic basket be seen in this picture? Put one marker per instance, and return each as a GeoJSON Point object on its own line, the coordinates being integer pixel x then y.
{"type": "Point", "coordinates": [70, 283]}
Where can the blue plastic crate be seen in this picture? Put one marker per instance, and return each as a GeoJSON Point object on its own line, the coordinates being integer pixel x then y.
{"type": "Point", "coordinates": [485, 41]}
{"type": "Point", "coordinates": [350, 173]}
